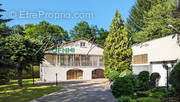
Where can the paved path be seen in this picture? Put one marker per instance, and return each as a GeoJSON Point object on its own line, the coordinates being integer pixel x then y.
{"type": "Point", "coordinates": [80, 91]}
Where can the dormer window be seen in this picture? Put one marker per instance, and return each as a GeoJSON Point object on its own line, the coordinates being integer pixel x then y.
{"type": "Point", "coordinates": [82, 44]}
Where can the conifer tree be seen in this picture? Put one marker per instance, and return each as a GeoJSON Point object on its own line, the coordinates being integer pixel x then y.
{"type": "Point", "coordinates": [156, 22]}
{"type": "Point", "coordinates": [117, 52]}
{"type": "Point", "coordinates": [135, 21]}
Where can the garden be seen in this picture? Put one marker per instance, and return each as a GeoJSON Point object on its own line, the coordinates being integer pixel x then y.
{"type": "Point", "coordinates": [144, 87]}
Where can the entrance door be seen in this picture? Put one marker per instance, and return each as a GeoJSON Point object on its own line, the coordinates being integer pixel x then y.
{"type": "Point", "coordinates": [74, 74]}
{"type": "Point", "coordinates": [97, 73]}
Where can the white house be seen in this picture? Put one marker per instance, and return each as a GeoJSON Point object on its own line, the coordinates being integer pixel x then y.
{"type": "Point", "coordinates": [76, 59]}
{"type": "Point", "coordinates": [150, 55]}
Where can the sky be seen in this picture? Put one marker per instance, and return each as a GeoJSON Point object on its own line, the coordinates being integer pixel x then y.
{"type": "Point", "coordinates": [66, 13]}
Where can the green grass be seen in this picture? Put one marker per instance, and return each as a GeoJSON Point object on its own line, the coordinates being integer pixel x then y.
{"type": "Point", "coordinates": [12, 93]}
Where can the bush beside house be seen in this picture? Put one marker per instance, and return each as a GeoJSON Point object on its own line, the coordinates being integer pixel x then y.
{"type": "Point", "coordinates": [143, 78]}
{"type": "Point", "coordinates": [128, 88]}
{"type": "Point", "coordinates": [175, 79]}
{"type": "Point", "coordinates": [122, 87]}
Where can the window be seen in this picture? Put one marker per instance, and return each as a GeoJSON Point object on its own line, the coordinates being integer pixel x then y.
{"type": "Point", "coordinates": [70, 60]}
{"type": "Point", "coordinates": [64, 60]}
{"type": "Point", "coordinates": [82, 44]}
{"type": "Point", "coordinates": [101, 63]}
{"type": "Point", "coordinates": [51, 59]}
{"type": "Point", "coordinates": [140, 59]}
{"type": "Point", "coordinates": [95, 60]}
{"type": "Point", "coordinates": [77, 60]}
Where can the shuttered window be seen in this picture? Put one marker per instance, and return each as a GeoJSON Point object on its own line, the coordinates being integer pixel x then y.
{"type": "Point", "coordinates": [140, 59]}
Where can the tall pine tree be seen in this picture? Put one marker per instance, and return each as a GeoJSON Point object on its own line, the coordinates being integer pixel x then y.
{"type": "Point", "coordinates": [156, 22]}
{"type": "Point", "coordinates": [135, 21]}
{"type": "Point", "coordinates": [117, 52]}
{"type": "Point", "coordinates": [4, 30]}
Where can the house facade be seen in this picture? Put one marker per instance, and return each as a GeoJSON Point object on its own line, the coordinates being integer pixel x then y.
{"type": "Point", "coordinates": [73, 60]}
{"type": "Point", "coordinates": [150, 55]}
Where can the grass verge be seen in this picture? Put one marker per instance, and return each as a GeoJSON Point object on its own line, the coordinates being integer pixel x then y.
{"type": "Point", "coordinates": [12, 93]}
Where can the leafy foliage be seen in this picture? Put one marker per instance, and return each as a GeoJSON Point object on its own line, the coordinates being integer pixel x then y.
{"type": "Point", "coordinates": [45, 29]}
{"type": "Point", "coordinates": [117, 52]}
{"type": "Point", "coordinates": [122, 87]}
{"type": "Point", "coordinates": [143, 78]}
{"type": "Point", "coordinates": [148, 99]}
{"type": "Point", "coordinates": [22, 52]}
{"type": "Point", "coordinates": [175, 78]}
{"type": "Point", "coordinates": [125, 99]}
{"type": "Point", "coordinates": [1, 19]}
{"type": "Point", "coordinates": [4, 30]}
{"type": "Point", "coordinates": [135, 22]}
{"type": "Point", "coordinates": [114, 75]}
{"type": "Point", "coordinates": [149, 20]}
{"type": "Point", "coordinates": [83, 29]}
{"type": "Point", "coordinates": [156, 22]}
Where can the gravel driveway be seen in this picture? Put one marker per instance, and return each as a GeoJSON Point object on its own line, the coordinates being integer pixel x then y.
{"type": "Point", "coordinates": [80, 91]}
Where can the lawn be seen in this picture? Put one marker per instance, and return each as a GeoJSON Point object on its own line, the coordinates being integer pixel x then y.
{"type": "Point", "coordinates": [12, 93]}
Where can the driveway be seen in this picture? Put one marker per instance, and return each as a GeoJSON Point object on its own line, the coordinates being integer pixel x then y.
{"type": "Point", "coordinates": [80, 91]}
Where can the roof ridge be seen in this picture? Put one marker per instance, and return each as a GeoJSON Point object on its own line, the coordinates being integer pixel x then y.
{"type": "Point", "coordinates": [82, 38]}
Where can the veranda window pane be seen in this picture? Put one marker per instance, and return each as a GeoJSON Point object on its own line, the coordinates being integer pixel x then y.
{"type": "Point", "coordinates": [70, 60]}
{"type": "Point", "coordinates": [77, 60]}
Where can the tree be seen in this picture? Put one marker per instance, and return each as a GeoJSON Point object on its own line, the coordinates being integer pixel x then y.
{"type": "Point", "coordinates": [82, 29]}
{"type": "Point", "coordinates": [4, 30]}
{"type": "Point", "coordinates": [117, 51]}
{"type": "Point", "coordinates": [102, 35]}
{"type": "Point", "coordinates": [45, 29]}
{"type": "Point", "coordinates": [18, 30]}
{"type": "Point", "coordinates": [156, 21]}
{"type": "Point", "coordinates": [1, 19]}
{"type": "Point", "coordinates": [22, 50]}
{"type": "Point", "coordinates": [135, 22]}
{"type": "Point", "coordinates": [5, 64]}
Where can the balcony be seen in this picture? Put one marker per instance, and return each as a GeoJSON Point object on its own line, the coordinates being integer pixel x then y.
{"type": "Point", "coordinates": [73, 61]}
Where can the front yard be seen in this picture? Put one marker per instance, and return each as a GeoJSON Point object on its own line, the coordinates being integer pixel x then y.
{"type": "Point", "coordinates": [12, 93]}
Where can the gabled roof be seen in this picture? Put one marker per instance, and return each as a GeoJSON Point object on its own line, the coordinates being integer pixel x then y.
{"type": "Point", "coordinates": [65, 43]}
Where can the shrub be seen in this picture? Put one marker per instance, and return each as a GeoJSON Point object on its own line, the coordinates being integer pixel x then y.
{"type": "Point", "coordinates": [160, 92]}
{"type": "Point", "coordinates": [125, 99]}
{"type": "Point", "coordinates": [143, 78]}
{"type": "Point", "coordinates": [134, 79]}
{"type": "Point", "coordinates": [175, 79]}
{"type": "Point", "coordinates": [114, 75]}
{"type": "Point", "coordinates": [148, 99]}
{"type": "Point", "coordinates": [122, 87]}
{"type": "Point", "coordinates": [142, 94]}
{"type": "Point", "coordinates": [125, 73]}
{"type": "Point", "coordinates": [154, 79]}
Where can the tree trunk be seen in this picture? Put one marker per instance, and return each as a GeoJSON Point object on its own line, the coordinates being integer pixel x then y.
{"type": "Point", "coordinates": [20, 77]}
{"type": "Point", "coordinates": [178, 4]}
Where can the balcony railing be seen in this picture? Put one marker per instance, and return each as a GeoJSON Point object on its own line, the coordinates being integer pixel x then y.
{"type": "Point", "coordinates": [77, 64]}
{"type": "Point", "coordinates": [73, 60]}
